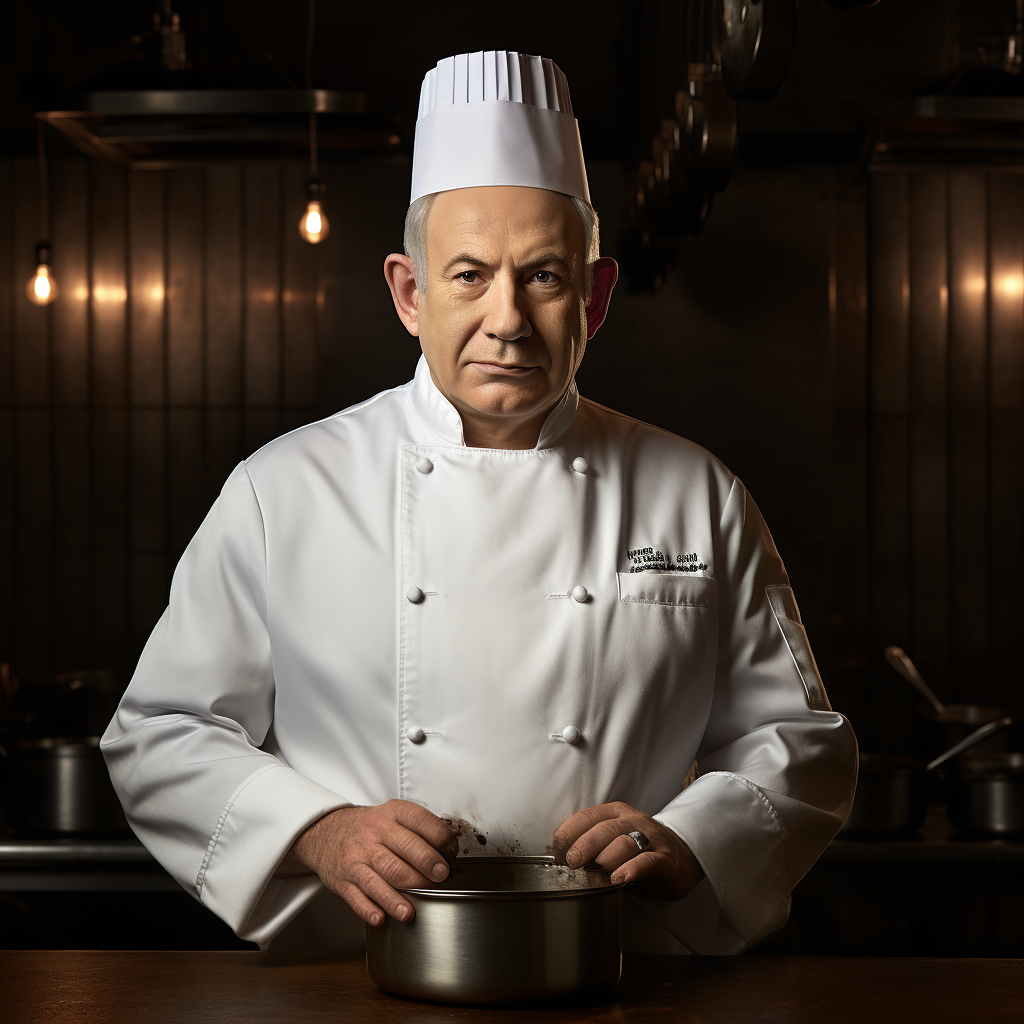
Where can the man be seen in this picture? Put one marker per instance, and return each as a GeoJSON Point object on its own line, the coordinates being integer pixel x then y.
{"type": "Point", "coordinates": [479, 609]}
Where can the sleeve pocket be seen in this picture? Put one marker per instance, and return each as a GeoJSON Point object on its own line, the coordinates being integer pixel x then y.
{"type": "Point", "coordinates": [674, 589]}
{"type": "Point", "coordinates": [787, 614]}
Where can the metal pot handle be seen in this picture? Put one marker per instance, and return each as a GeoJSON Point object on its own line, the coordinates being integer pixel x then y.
{"type": "Point", "coordinates": [969, 741]}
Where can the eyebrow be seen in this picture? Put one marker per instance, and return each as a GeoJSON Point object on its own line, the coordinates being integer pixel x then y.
{"type": "Point", "coordinates": [540, 261]}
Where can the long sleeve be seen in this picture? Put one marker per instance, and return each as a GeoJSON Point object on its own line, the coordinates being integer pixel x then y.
{"type": "Point", "coordinates": [183, 748]}
{"type": "Point", "coordinates": [778, 766]}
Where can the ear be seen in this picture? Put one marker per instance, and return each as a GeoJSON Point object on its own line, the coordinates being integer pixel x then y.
{"type": "Point", "coordinates": [606, 273]}
{"type": "Point", "coordinates": [401, 280]}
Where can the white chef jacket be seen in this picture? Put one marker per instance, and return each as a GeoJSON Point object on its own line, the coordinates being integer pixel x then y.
{"type": "Point", "coordinates": [372, 610]}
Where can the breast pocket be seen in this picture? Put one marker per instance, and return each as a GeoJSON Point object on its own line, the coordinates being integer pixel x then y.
{"type": "Point", "coordinates": [667, 629]}
{"type": "Point", "coordinates": [659, 656]}
{"type": "Point", "coordinates": [667, 589]}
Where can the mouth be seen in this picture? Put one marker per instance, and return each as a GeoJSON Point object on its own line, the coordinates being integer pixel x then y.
{"type": "Point", "coordinates": [504, 369]}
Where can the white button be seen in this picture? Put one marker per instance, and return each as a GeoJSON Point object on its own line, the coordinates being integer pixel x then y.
{"type": "Point", "coordinates": [570, 734]}
{"type": "Point", "coordinates": [424, 465]}
{"type": "Point", "coordinates": [415, 595]}
{"type": "Point", "coordinates": [415, 734]}
{"type": "Point", "coordinates": [579, 594]}
{"type": "Point", "coordinates": [580, 464]}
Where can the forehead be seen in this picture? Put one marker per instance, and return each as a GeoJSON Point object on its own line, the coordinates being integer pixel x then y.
{"type": "Point", "coordinates": [503, 216]}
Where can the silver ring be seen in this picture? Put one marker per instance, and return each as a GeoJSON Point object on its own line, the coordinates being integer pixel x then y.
{"type": "Point", "coordinates": [642, 842]}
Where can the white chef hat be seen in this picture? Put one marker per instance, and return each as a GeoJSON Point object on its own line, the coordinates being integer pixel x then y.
{"type": "Point", "coordinates": [497, 117]}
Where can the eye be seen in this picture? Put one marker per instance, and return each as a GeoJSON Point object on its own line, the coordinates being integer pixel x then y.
{"type": "Point", "coordinates": [546, 277]}
{"type": "Point", "coordinates": [468, 276]}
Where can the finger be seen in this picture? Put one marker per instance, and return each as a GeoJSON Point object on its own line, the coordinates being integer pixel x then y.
{"type": "Point", "coordinates": [591, 843]}
{"type": "Point", "coordinates": [580, 823]}
{"type": "Point", "coordinates": [616, 853]}
{"type": "Point", "coordinates": [384, 895]}
{"type": "Point", "coordinates": [416, 852]}
{"type": "Point", "coordinates": [643, 865]}
{"type": "Point", "coordinates": [394, 870]}
{"type": "Point", "coordinates": [364, 907]}
{"type": "Point", "coordinates": [419, 820]}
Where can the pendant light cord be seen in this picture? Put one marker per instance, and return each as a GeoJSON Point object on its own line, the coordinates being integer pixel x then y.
{"type": "Point", "coordinates": [310, 26]}
{"type": "Point", "coordinates": [44, 188]}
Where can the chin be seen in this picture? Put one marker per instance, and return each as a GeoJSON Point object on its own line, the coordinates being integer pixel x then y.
{"type": "Point", "coordinates": [500, 398]}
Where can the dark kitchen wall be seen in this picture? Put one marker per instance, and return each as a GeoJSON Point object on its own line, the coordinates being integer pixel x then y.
{"type": "Point", "coordinates": [929, 439]}
{"type": "Point", "coordinates": [193, 324]}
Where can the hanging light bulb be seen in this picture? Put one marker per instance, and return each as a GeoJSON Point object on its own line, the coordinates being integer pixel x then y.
{"type": "Point", "coordinates": [42, 286]}
{"type": "Point", "coordinates": [314, 226]}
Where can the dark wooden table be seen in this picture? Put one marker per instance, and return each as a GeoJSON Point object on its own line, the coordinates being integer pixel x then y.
{"type": "Point", "coordinates": [275, 988]}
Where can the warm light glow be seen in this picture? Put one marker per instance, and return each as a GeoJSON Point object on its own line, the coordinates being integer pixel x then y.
{"type": "Point", "coordinates": [314, 227]}
{"type": "Point", "coordinates": [156, 293]}
{"type": "Point", "coordinates": [81, 292]}
{"type": "Point", "coordinates": [1011, 285]}
{"type": "Point", "coordinates": [109, 293]}
{"type": "Point", "coordinates": [42, 288]}
{"type": "Point", "coordinates": [974, 285]}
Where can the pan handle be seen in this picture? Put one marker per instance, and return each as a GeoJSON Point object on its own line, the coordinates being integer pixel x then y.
{"type": "Point", "coordinates": [969, 741]}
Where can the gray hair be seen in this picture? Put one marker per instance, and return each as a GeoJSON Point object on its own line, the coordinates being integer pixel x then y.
{"type": "Point", "coordinates": [416, 241]}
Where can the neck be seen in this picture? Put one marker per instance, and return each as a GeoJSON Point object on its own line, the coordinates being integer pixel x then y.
{"type": "Point", "coordinates": [488, 432]}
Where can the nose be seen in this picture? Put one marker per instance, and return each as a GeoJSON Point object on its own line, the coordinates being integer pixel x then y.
{"type": "Point", "coordinates": [505, 319]}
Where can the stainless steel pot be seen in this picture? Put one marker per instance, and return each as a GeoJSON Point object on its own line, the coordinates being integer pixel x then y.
{"type": "Point", "coordinates": [890, 799]}
{"type": "Point", "coordinates": [985, 795]}
{"type": "Point", "coordinates": [937, 732]}
{"type": "Point", "coordinates": [502, 929]}
{"type": "Point", "coordinates": [60, 786]}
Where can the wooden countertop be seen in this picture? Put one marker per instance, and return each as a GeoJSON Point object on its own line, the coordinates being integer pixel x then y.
{"type": "Point", "coordinates": [280, 988]}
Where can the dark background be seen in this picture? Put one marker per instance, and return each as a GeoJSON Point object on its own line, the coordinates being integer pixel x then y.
{"type": "Point", "coordinates": [194, 324]}
{"type": "Point", "coordinates": [846, 334]}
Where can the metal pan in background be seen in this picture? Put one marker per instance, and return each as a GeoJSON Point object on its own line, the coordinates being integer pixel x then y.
{"type": "Point", "coordinates": [891, 797]}
{"type": "Point", "coordinates": [59, 786]}
{"type": "Point", "coordinates": [755, 43]}
{"type": "Point", "coordinates": [936, 732]}
{"type": "Point", "coordinates": [985, 794]}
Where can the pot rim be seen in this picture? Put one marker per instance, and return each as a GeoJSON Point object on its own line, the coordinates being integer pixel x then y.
{"type": "Point", "coordinates": [987, 768]}
{"type": "Point", "coordinates": [958, 714]}
{"type": "Point", "coordinates": [58, 745]}
{"type": "Point", "coordinates": [514, 894]}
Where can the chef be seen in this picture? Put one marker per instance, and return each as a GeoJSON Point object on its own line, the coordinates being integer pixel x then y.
{"type": "Point", "coordinates": [478, 612]}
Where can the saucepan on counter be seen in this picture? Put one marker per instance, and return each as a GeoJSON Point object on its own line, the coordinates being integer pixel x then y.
{"type": "Point", "coordinates": [891, 797]}
{"type": "Point", "coordinates": [985, 794]}
{"type": "Point", "coordinates": [59, 786]}
{"type": "Point", "coordinates": [941, 726]}
{"type": "Point", "coordinates": [503, 929]}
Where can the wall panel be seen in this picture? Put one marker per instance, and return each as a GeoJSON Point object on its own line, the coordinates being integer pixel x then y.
{"type": "Point", "coordinates": [186, 320]}
{"type": "Point", "coordinates": [889, 451]}
{"type": "Point", "coordinates": [968, 435]}
{"type": "Point", "coordinates": [928, 368]}
{"type": "Point", "coordinates": [1006, 431]}
{"type": "Point", "coordinates": [945, 499]}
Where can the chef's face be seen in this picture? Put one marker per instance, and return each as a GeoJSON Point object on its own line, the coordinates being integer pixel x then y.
{"type": "Point", "coordinates": [502, 319]}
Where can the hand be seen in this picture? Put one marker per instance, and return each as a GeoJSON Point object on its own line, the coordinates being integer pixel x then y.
{"type": "Point", "coordinates": [364, 853]}
{"type": "Point", "coordinates": [668, 870]}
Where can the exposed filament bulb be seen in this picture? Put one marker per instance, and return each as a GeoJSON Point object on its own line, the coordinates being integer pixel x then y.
{"type": "Point", "coordinates": [314, 226]}
{"type": "Point", "coordinates": [42, 286]}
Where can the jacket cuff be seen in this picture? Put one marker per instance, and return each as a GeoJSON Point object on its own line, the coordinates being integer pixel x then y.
{"type": "Point", "coordinates": [740, 842]}
{"type": "Point", "coordinates": [256, 829]}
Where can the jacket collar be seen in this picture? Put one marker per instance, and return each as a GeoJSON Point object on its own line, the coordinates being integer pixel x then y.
{"type": "Point", "coordinates": [443, 419]}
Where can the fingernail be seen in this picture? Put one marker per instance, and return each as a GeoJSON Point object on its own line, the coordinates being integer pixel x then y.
{"type": "Point", "coordinates": [440, 871]}
{"type": "Point", "coordinates": [404, 913]}
{"type": "Point", "coordinates": [616, 879]}
{"type": "Point", "coordinates": [572, 856]}
{"type": "Point", "coordinates": [375, 919]}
